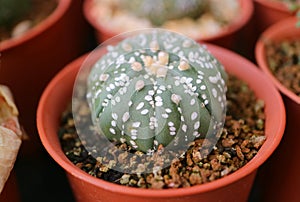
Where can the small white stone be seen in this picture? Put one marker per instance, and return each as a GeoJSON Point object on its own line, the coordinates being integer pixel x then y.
{"type": "Point", "coordinates": [21, 28]}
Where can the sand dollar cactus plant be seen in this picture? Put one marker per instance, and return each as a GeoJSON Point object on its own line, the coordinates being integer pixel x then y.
{"type": "Point", "coordinates": [159, 11]}
{"type": "Point", "coordinates": [157, 88]}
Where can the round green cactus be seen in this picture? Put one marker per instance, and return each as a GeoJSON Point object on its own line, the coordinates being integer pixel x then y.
{"type": "Point", "coordinates": [157, 88]}
{"type": "Point", "coordinates": [159, 11]}
{"type": "Point", "coordinates": [12, 10]}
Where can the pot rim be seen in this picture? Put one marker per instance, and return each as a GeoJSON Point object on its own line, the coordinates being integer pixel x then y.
{"type": "Point", "coordinates": [280, 30]}
{"type": "Point", "coordinates": [247, 10]}
{"type": "Point", "coordinates": [44, 25]}
{"type": "Point", "coordinates": [264, 153]}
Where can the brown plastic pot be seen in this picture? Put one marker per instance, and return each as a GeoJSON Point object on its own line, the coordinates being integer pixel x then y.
{"type": "Point", "coordinates": [30, 61]}
{"type": "Point", "coordinates": [284, 180]}
{"type": "Point", "coordinates": [267, 12]}
{"type": "Point", "coordinates": [225, 38]}
{"type": "Point", "coordinates": [235, 187]}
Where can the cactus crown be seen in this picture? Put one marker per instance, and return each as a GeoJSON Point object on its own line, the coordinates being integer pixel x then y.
{"type": "Point", "coordinates": [156, 88]}
{"type": "Point", "coordinates": [159, 11]}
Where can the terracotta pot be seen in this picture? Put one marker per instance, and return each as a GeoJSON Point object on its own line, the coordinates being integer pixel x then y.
{"type": "Point", "coordinates": [235, 187]}
{"type": "Point", "coordinates": [285, 186]}
{"type": "Point", "coordinates": [267, 12]}
{"type": "Point", "coordinates": [225, 38]}
{"type": "Point", "coordinates": [29, 62]}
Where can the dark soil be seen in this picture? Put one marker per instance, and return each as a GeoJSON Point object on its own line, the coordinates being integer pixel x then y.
{"type": "Point", "coordinates": [37, 11]}
{"type": "Point", "coordinates": [242, 136]}
{"type": "Point", "coordinates": [284, 61]}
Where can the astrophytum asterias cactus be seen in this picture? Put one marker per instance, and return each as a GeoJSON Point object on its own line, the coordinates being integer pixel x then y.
{"type": "Point", "coordinates": [159, 11]}
{"type": "Point", "coordinates": [157, 87]}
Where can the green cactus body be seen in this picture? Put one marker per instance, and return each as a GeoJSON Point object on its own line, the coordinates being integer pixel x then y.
{"type": "Point", "coordinates": [12, 10]}
{"type": "Point", "coordinates": [157, 88]}
{"type": "Point", "coordinates": [159, 11]}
